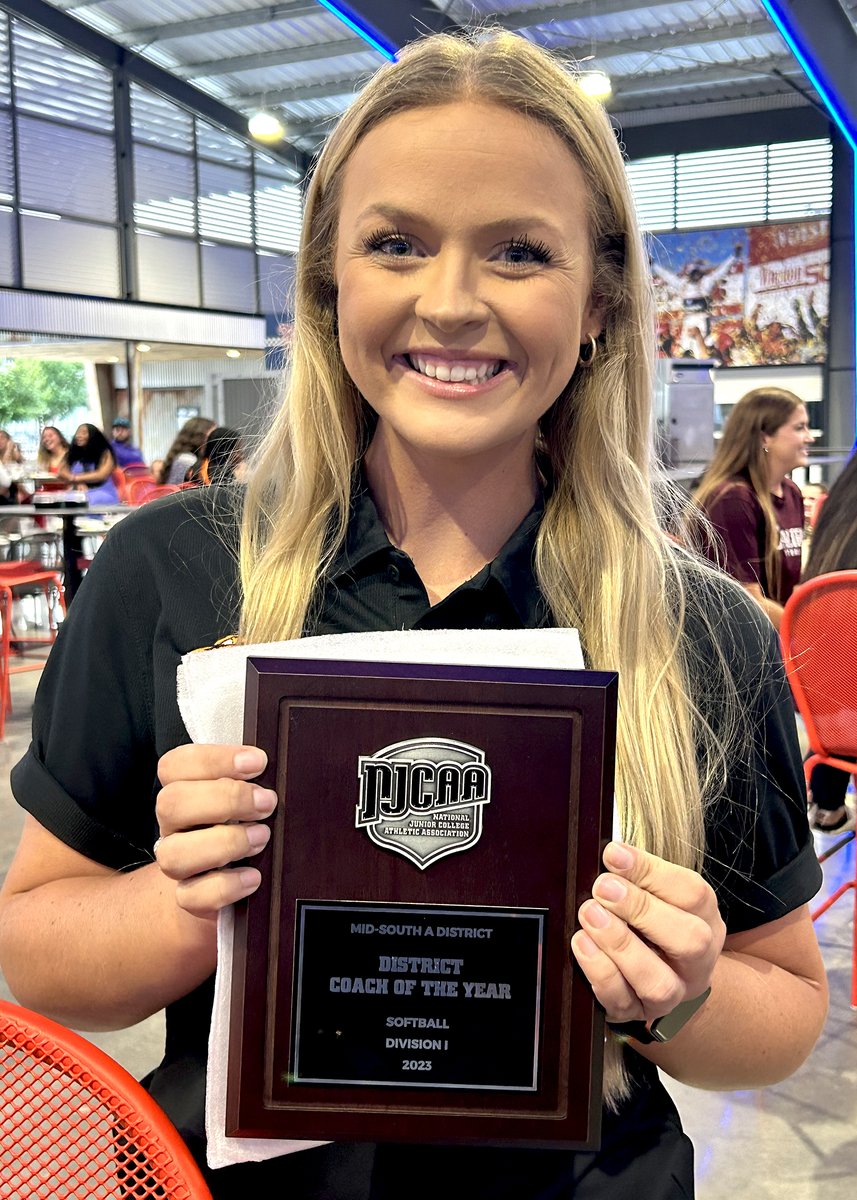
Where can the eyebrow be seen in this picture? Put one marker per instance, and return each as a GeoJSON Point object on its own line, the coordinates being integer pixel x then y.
{"type": "Point", "coordinates": [402, 217]}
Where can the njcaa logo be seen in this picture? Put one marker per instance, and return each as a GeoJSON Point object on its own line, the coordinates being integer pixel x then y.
{"type": "Point", "coordinates": [423, 798]}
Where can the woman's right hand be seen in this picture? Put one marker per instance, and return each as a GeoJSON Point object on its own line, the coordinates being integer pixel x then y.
{"type": "Point", "coordinates": [209, 815]}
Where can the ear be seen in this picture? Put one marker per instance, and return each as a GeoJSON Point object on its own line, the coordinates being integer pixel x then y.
{"type": "Point", "coordinates": [592, 318]}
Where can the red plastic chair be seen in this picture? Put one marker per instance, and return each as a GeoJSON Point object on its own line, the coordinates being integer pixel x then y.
{"type": "Point", "coordinates": [819, 640]}
{"type": "Point", "coordinates": [74, 1125]}
{"type": "Point", "coordinates": [17, 578]}
{"type": "Point", "coordinates": [157, 490]}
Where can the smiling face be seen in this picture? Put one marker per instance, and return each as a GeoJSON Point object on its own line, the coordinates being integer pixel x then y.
{"type": "Point", "coordinates": [81, 436]}
{"type": "Point", "coordinates": [788, 448]}
{"type": "Point", "coordinates": [464, 272]}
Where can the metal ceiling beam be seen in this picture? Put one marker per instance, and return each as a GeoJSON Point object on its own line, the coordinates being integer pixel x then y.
{"type": "Point", "coordinates": [343, 86]}
{"type": "Point", "coordinates": [658, 83]}
{"type": "Point", "coordinates": [212, 67]}
{"type": "Point", "coordinates": [119, 58]}
{"type": "Point", "coordinates": [655, 43]}
{"type": "Point", "coordinates": [528, 18]}
{"type": "Point", "coordinates": [245, 19]}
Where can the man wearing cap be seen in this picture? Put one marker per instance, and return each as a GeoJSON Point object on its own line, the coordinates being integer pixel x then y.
{"type": "Point", "coordinates": [123, 451]}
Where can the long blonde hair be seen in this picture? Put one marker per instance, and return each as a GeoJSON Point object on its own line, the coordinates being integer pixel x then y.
{"type": "Point", "coordinates": [602, 561]}
{"type": "Point", "coordinates": [740, 456]}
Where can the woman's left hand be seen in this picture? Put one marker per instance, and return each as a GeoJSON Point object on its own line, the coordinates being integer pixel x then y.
{"type": "Point", "coordinates": [650, 937]}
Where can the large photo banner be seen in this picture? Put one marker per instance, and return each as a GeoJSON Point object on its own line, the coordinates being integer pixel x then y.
{"type": "Point", "coordinates": [752, 296]}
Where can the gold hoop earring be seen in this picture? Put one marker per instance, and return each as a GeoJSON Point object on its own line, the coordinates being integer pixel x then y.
{"type": "Point", "coordinates": [588, 360]}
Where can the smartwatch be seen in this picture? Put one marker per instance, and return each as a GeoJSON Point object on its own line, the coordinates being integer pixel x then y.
{"type": "Point", "coordinates": [662, 1029]}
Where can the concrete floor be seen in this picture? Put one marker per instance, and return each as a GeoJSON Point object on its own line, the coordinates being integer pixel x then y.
{"type": "Point", "coordinates": [798, 1139]}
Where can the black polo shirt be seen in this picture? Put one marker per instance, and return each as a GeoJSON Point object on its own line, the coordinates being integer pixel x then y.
{"type": "Point", "coordinates": [164, 583]}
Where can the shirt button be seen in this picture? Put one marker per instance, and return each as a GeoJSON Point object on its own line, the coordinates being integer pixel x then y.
{"type": "Point", "coordinates": [394, 574]}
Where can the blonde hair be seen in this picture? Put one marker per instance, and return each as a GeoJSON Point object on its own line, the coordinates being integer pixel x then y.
{"type": "Point", "coordinates": [602, 561]}
{"type": "Point", "coordinates": [741, 453]}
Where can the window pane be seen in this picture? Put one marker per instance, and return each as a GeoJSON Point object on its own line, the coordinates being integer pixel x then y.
{"type": "Point", "coordinates": [66, 170]}
{"type": "Point", "coordinates": [227, 278]}
{"type": "Point", "coordinates": [167, 270]}
{"type": "Point", "coordinates": [70, 256]}
{"type": "Point", "coordinates": [225, 212]}
{"type": "Point", "coordinates": [164, 190]}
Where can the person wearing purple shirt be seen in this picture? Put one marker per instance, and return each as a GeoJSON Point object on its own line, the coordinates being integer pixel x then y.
{"type": "Point", "coordinates": [123, 451]}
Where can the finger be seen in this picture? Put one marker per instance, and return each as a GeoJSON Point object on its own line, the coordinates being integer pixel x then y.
{"type": "Point", "coordinates": [688, 939]}
{"type": "Point", "coordinates": [211, 762]}
{"type": "Point", "coordinates": [611, 989]}
{"type": "Point", "coordinates": [183, 855]}
{"type": "Point", "coordinates": [189, 805]}
{"type": "Point", "coordinates": [205, 895]}
{"type": "Point", "coordinates": [676, 885]}
{"type": "Point", "coordinates": [653, 980]}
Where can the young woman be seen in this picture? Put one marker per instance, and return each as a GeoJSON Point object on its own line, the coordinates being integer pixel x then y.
{"type": "Point", "coordinates": [748, 497]}
{"type": "Point", "coordinates": [89, 464]}
{"type": "Point", "coordinates": [52, 449]}
{"type": "Point", "coordinates": [182, 453]}
{"type": "Point", "coordinates": [833, 548]}
{"type": "Point", "coordinates": [465, 441]}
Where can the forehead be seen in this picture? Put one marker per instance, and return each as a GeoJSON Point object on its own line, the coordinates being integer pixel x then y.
{"type": "Point", "coordinates": [467, 157]}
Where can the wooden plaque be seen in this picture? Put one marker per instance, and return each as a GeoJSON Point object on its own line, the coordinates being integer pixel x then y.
{"type": "Point", "coordinates": [404, 971]}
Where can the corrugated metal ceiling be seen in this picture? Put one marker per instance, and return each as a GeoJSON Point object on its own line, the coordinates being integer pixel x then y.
{"type": "Point", "coordinates": [697, 58]}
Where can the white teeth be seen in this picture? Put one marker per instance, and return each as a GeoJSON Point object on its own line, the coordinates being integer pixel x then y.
{"type": "Point", "coordinates": [456, 372]}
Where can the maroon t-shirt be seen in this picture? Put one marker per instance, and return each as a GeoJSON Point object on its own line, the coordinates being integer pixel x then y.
{"type": "Point", "coordinates": [736, 514]}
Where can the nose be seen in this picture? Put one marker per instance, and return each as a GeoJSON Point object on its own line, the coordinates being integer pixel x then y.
{"type": "Point", "coordinates": [450, 293]}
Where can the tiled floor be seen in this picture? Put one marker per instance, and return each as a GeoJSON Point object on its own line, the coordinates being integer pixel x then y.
{"type": "Point", "coordinates": [796, 1140]}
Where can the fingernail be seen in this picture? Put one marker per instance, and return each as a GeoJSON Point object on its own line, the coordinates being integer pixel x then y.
{"type": "Point", "coordinates": [257, 836]}
{"type": "Point", "coordinates": [584, 945]}
{"type": "Point", "coordinates": [619, 856]}
{"type": "Point", "coordinates": [264, 800]}
{"type": "Point", "coordinates": [596, 915]}
{"type": "Point", "coordinates": [249, 879]}
{"type": "Point", "coordinates": [611, 889]}
{"type": "Point", "coordinates": [250, 762]}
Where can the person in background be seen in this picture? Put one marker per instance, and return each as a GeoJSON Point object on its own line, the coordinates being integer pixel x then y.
{"type": "Point", "coordinates": [465, 442]}
{"type": "Point", "coordinates": [123, 450]}
{"type": "Point", "coordinates": [182, 453]}
{"type": "Point", "coordinates": [757, 512]}
{"type": "Point", "coordinates": [53, 448]}
{"type": "Point", "coordinates": [220, 459]}
{"type": "Point", "coordinates": [833, 547]}
{"type": "Point", "coordinates": [10, 451]}
{"type": "Point", "coordinates": [89, 464]}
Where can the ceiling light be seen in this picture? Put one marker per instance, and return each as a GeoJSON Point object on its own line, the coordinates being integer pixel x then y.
{"type": "Point", "coordinates": [233, 353]}
{"type": "Point", "coordinates": [143, 347]}
{"type": "Point", "coordinates": [596, 84]}
{"type": "Point", "coordinates": [112, 358]}
{"type": "Point", "coordinates": [264, 126]}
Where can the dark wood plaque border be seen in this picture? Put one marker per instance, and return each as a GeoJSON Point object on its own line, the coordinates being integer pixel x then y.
{"type": "Point", "coordinates": [565, 1111]}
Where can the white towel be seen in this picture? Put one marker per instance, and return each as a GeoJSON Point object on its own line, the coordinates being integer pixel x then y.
{"type": "Point", "coordinates": [211, 702]}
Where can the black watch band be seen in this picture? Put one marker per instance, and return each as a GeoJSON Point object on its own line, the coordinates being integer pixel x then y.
{"type": "Point", "coordinates": [662, 1028]}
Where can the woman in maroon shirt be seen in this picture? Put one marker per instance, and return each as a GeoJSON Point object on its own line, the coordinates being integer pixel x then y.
{"type": "Point", "coordinates": [756, 510]}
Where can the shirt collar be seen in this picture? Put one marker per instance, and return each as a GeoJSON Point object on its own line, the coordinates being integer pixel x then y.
{"type": "Point", "coordinates": [513, 568]}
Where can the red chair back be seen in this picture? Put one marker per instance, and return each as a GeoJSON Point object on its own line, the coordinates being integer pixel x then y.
{"type": "Point", "coordinates": [819, 640]}
{"type": "Point", "coordinates": [155, 491]}
{"type": "Point", "coordinates": [75, 1124]}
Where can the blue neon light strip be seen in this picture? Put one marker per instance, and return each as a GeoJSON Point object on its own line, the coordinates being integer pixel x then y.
{"type": "Point", "coordinates": [386, 48]}
{"type": "Point", "coordinates": [830, 103]}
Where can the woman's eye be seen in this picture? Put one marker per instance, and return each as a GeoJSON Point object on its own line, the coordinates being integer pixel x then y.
{"type": "Point", "coordinates": [391, 245]}
{"type": "Point", "coordinates": [522, 252]}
